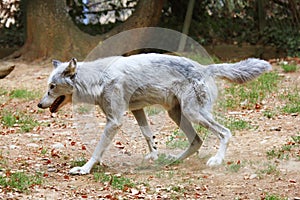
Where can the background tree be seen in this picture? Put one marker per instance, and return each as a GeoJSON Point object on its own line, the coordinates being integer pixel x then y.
{"type": "Point", "coordinates": [50, 31]}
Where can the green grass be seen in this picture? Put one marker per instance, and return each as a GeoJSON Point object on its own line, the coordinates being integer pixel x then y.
{"type": "Point", "coordinates": [20, 181]}
{"type": "Point", "coordinates": [116, 181]}
{"type": "Point", "coordinates": [234, 124]}
{"type": "Point", "coordinates": [289, 68]}
{"type": "Point", "coordinates": [286, 151]}
{"type": "Point", "coordinates": [234, 166]}
{"type": "Point", "coordinates": [153, 110]}
{"type": "Point", "coordinates": [3, 91]}
{"type": "Point", "coordinates": [11, 119]}
{"type": "Point", "coordinates": [164, 160]}
{"type": "Point", "coordinates": [23, 94]}
{"type": "Point", "coordinates": [274, 197]}
{"type": "Point", "coordinates": [177, 140]}
{"type": "Point", "coordinates": [269, 114]}
{"type": "Point", "coordinates": [270, 169]}
{"type": "Point", "coordinates": [251, 93]}
{"type": "Point", "coordinates": [78, 163]}
{"type": "Point", "coordinates": [292, 100]}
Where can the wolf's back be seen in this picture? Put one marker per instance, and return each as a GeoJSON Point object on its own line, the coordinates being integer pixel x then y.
{"type": "Point", "coordinates": [239, 72]}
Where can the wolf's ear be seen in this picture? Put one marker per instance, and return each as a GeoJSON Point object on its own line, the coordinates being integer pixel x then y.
{"type": "Point", "coordinates": [55, 63]}
{"type": "Point", "coordinates": [71, 68]}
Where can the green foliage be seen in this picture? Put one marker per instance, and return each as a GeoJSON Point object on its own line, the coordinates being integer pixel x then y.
{"type": "Point", "coordinates": [234, 167]}
{"type": "Point", "coordinates": [23, 94]}
{"type": "Point", "coordinates": [78, 163]}
{"type": "Point", "coordinates": [292, 99]}
{"type": "Point", "coordinates": [252, 93]}
{"type": "Point", "coordinates": [274, 197]}
{"type": "Point", "coordinates": [177, 140]}
{"type": "Point", "coordinates": [20, 181]}
{"type": "Point", "coordinates": [270, 169]}
{"type": "Point", "coordinates": [289, 149]}
{"type": "Point", "coordinates": [164, 160]}
{"type": "Point", "coordinates": [25, 122]}
{"type": "Point", "coordinates": [116, 181]}
{"type": "Point", "coordinates": [153, 110]}
{"type": "Point", "coordinates": [289, 68]}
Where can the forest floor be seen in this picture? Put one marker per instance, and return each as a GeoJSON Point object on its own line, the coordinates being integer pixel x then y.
{"type": "Point", "coordinates": [37, 149]}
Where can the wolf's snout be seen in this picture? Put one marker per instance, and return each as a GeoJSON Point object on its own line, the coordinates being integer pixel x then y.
{"type": "Point", "coordinates": [40, 105]}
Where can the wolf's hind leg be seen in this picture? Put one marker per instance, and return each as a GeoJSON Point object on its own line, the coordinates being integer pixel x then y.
{"type": "Point", "coordinates": [140, 117]}
{"type": "Point", "coordinates": [186, 126]}
{"type": "Point", "coordinates": [205, 119]}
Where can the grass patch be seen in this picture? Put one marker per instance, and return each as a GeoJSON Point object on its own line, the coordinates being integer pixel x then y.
{"type": "Point", "coordinates": [250, 94]}
{"type": "Point", "coordinates": [289, 68]}
{"type": "Point", "coordinates": [177, 140]}
{"type": "Point", "coordinates": [153, 110]}
{"type": "Point", "coordinates": [23, 94]}
{"type": "Point", "coordinates": [78, 163]}
{"type": "Point", "coordinates": [292, 104]}
{"type": "Point", "coordinates": [18, 119]}
{"type": "Point", "coordinates": [116, 181]}
{"type": "Point", "coordinates": [274, 197]}
{"type": "Point", "coordinates": [234, 124]}
{"type": "Point", "coordinates": [164, 160]}
{"type": "Point", "coordinates": [20, 181]}
{"type": "Point", "coordinates": [286, 151]}
{"type": "Point", "coordinates": [269, 114]}
{"type": "Point", "coordinates": [270, 169]}
{"type": "Point", "coordinates": [3, 91]}
{"type": "Point", "coordinates": [234, 166]}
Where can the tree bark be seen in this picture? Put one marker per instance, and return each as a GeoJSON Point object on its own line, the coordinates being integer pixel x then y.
{"type": "Point", "coordinates": [52, 34]}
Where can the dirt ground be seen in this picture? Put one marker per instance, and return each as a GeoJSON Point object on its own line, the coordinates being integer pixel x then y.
{"type": "Point", "coordinates": [56, 143]}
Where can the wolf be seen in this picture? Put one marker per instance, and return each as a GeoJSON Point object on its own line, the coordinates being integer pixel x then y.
{"type": "Point", "coordinates": [185, 88]}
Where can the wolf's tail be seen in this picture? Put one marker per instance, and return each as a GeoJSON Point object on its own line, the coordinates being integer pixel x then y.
{"type": "Point", "coordinates": [239, 72]}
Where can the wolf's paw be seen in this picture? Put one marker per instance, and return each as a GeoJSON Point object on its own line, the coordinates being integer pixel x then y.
{"type": "Point", "coordinates": [78, 171]}
{"type": "Point", "coordinates": [152, 156]}
{"type": "Point", "coordinates": [214, 161]}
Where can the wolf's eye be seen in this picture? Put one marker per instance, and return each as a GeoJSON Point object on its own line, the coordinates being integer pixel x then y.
{"type": "Point", "coordinates": [52, 86]}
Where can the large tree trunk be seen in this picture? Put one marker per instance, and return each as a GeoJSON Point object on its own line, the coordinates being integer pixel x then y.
{"type": "Point", "coordinates": [52, 34]}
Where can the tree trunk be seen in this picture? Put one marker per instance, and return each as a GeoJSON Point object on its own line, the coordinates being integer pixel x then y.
{"type": "Point", "coordinates": [52, 34]}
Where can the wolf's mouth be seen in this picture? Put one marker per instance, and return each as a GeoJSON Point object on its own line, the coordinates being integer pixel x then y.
{"type": "Point", "coordinates": [54, 107]}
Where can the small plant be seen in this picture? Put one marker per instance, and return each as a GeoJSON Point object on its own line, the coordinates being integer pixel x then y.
{"type": "Point", "coordinates": [177, 140]}
{"type": "Point", "coordinates": [268, 114]}
{"type": "Point", "coordinates": [250, 94]}
{"type": "Point", "coordinates": [20, 181]}
{"type": "Point", "coordinates": [290, 149]}
{"type": "Point", "coordinates": [274, 197]}
{"type": "Point", "coordinates": [289, 68]}
{"type": "Point", "coordinates": [116, 181]}
{"type": "Point", "coordinates": [235, 124]}
{"type": "Point", "coordinates": [234, 167]}
{"type": "Point", "coordinates": [164, 159]}
{"type": "Point", "coordinates": [23, 94]}
{"type": "Point", "coordinates": [153, 110]}
{"type": "Point", "coordinates": [292, 101]}
{"type": "Point", "coordinates": [78, 163]}
{"type": "Point", "coordinates": [25, 122]}
{"type": "Point", "coordinates": [271, 169]}
{"type": "Point", "coordinates": [44, 151]}
{"type": "Point", "coordinates": [8, 119]}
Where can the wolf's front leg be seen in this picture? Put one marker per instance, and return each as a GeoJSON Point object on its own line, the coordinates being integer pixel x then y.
{"type": "Point", "coordinates": [110, 131]}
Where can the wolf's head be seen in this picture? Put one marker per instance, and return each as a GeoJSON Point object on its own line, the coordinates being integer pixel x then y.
{"type": "Point", "coordinates": [60, 85]}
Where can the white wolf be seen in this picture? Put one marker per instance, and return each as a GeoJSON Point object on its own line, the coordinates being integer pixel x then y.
{"type": "Point", "coordinates": [182, 86]}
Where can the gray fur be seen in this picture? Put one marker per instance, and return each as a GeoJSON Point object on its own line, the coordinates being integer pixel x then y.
{"type": "Point", "coordinates": [185, 88]}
